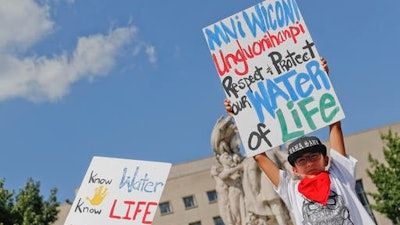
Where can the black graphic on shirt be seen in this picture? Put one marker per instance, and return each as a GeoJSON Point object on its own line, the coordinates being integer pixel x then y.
{"type": "Point", "coordinates": [333, 213]}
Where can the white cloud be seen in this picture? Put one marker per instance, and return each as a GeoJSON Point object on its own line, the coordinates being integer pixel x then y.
{"type": "Point", "coordinates": [42, 78]}
{"type": "Point", "coordinates": [149, 50]}
{"type": "Point", "coordinates": [151, 54]}
{"type": "Point", "coordinates": [22, 23]}
{"type": "Point", "coordinates": [95, 55]}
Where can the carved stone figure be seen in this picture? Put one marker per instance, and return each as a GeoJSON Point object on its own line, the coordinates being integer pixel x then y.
{"type": "Point", "coordinates": [245, 195]}
{"type": "Point", "coordinates": [224, 137]}
{"type": "Point", "coordinates": [231, 174]}
{"type": "Point", "coordinates": [222, 192]}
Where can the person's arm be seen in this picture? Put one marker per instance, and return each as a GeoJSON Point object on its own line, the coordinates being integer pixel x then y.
{"type": "Point", "coordinates": [268, 167]}
{"type": "Point", "coordinates": [336, 138]}
{"type": "Point", "coordinates": [266, 164]}
{"type": "Point", "coordinates": [335, 130]}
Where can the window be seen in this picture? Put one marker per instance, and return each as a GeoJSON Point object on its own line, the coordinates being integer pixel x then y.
{"type": "Point", "coordinates": [195, 223]}
{"type": "Point", "coordinates": [363, 198]}
{"type": "Point", "coordinates": [189, 202]}
{"type": "Point", "coordinates": [212, 196]}
{"type": "Point", "coordinates": [165, 208]}
{"type": "Point", "coordinates": [218, 221]}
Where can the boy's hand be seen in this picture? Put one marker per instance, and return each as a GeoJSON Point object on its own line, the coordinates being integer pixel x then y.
{"type": "Point", "coordinates": [325, 65]}
{"type": "Point", "coordinates": [228, 107]}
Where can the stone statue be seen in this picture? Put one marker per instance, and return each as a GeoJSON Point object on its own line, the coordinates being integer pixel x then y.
{"type": "Point", "coordinates": [224, 137]}
{"type": "Point", "coordinates": [231, 174]}
{"type": "Point", "coordinates": [245, 194]}
{"type": "Point", "coordinates": [222, 192]}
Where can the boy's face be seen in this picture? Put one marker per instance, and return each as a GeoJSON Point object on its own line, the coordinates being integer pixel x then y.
{"type": "Point", "coordinates": [310, 164]}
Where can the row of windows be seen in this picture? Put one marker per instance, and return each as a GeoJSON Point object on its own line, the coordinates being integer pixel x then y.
{"type": "Point", "coordinates": [217, 221]}
{"type": "Point", "coordinates": [188, 201]}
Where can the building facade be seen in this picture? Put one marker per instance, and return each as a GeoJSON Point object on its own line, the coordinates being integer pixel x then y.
{"type": "Point", "coordinates": [189, 197]}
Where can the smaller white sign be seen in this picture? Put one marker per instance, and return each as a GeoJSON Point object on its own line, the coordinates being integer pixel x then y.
{"type": "Point", "coordinates": [119, 192]}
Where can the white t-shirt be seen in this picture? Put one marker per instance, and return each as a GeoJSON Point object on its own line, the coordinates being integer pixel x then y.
{"type": "Point", "coordinates": [343, 205]}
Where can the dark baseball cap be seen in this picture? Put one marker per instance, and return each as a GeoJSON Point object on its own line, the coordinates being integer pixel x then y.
{"type": "Point", "coordinates": [303, 145]}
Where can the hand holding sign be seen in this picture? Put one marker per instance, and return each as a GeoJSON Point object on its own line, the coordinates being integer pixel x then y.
{"type": "Point", "coordinates": [269, 67]}
{"type": "Point", "coordinates": [325, 65]}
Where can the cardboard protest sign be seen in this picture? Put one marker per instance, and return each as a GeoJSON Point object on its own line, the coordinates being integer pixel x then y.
{"type": "Point", "coordinates": [271, 71]}
{"type": "Point", "coordinates": [119, 192]}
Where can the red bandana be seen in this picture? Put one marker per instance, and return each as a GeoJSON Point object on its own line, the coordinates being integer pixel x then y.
{"type": "Point", "coordinates": [316, 188]}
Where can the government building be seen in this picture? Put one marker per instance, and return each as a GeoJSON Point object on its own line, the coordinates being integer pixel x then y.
{"type": "Point", "coordinates": [189, 196]}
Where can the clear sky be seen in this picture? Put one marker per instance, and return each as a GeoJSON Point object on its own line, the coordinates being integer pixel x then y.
{"type": "Point", "coordinates": [134, 79]}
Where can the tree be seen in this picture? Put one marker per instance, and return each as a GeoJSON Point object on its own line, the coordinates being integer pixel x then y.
{"type": "Point", "coordinates": [28, 206]}
{"type": "Point", "coordinates": [386, 178]}
{"type": "Point", "coordinates": [6, 205]}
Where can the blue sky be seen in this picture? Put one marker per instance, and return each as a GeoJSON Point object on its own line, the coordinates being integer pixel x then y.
{"type": "Point", "coordinates": [134, 79]}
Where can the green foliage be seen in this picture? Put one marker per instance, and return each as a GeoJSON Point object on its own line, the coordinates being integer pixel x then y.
{"type": "Point", "coordinates": [28, 206]}
{"type": "Point", "coordinates": [6, 205]}
{"type": "Point", "coordinates": [386, 177]}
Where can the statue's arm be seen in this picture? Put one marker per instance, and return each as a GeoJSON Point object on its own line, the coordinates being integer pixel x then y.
{"type": "Point", "coordinates": [226, 172]}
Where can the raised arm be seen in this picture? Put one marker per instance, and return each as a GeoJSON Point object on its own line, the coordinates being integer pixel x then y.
{"type": "Point", "coordinates": [335, 130]}
{"type": "Point", "coordinates": [336, 138]}
{"type": "Point", "coordinates": [266, 164]}
{"type": "Point", "coordinates": [268, 167]}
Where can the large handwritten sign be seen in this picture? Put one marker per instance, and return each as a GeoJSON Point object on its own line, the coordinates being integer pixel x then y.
{"type": "Point", "coordinates": [271, 71]}
{"type": "Point", "coordinates": [119, 192]}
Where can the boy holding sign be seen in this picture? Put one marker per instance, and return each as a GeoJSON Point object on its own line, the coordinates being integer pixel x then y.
{"type": "Point", "coordinates": [321, 196]}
